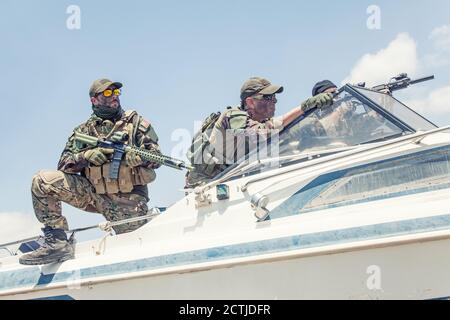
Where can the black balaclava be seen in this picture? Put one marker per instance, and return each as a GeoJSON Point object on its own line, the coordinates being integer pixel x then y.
{"type": "Point", "coordinates": [107, 113]}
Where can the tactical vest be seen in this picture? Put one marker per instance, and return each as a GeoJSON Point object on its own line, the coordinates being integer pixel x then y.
{"type": "Point", "coordinates": [201, 154]}
{"type": "Point", "coordinates": [128, 177]}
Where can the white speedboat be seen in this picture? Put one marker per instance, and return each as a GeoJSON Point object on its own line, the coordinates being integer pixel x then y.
{"type": "Point", "coordinates": [356, 206]}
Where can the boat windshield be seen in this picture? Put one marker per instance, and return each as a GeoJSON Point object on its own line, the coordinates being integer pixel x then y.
{"type": "Point", "coordinates": [350, 121]}
{"type": "Point", "coordinates": [357, 116]}
{"type": "Point", "coordinates": [398, 109]}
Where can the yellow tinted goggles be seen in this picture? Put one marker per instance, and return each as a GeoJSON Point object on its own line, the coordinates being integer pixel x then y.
{"type": "Point", "coordinates": [110, 92]}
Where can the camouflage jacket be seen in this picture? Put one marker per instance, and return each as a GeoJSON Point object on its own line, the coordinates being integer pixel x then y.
{"type": "Point", "coordinates": [233, 135]}
{"type": "Point", "coordinates": [72, 159]}
{"type": "Point", "coordinates": [236, 134]}
{"type": "Point", "coordinates": [238, 119]}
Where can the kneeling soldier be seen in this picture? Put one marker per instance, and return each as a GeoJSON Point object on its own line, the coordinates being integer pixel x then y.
{"type": "Point", "coordinates": [83, 181]}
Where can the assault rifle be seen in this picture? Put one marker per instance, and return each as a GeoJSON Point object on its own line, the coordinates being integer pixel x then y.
{"type": "Point", "coordinates": [116, 142]}
{"type": "Point", "coordinates": [402, 81]}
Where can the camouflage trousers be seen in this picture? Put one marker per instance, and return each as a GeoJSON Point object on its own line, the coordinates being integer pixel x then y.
{"type": "Point", "coordinates": [50, 188]}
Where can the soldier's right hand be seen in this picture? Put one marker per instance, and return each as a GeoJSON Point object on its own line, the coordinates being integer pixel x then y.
{"type": "Point", "coordinates": [98, 156]}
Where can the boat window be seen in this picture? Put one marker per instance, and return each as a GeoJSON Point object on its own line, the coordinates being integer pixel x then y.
{"type": "Point", "coordinates": [398, 109]}
{"type": "Point", "coordinates": [409, 174]}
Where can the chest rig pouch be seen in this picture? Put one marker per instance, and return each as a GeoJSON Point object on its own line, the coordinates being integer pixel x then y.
{"type": "Point", "coordinates": [128, 177]}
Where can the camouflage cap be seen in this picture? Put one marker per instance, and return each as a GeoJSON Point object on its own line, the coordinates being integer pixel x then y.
{"type": "Point", "coordinates": [101, 85]}
{"type": "Point", "coordinates": [259, 85]}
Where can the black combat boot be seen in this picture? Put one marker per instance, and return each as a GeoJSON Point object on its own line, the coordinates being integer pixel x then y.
{"type": "Point", "coordinates": [55, 249]}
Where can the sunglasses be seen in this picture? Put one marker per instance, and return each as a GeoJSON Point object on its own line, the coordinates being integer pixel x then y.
{"type": "Point", "coordinates": [266, 97]}
{"type": "Point", "coordinates": [109, 92]}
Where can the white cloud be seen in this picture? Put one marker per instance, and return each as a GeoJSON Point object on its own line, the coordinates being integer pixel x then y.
{"type": "Point", "coordinates": [441, 46]}
{"type": "Point", "coordinates": [441, 38]}
{"type": "Point", "coordinates": [437, 102]}
{"type": "Point", "coordinates": [399, 56]}
{"type": "Point", "coordinates": [17, 226]}
{"type": "Point", "coordinates": [436, 60]}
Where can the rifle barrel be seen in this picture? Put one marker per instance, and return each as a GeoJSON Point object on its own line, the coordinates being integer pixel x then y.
{"type": "Point", "coordinates": [401, 84]}
{"type": "Point", "coordinates": [422, 80]}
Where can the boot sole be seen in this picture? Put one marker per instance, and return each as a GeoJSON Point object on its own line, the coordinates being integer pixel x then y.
{"type": "Point", "coordinates": [43, 262]}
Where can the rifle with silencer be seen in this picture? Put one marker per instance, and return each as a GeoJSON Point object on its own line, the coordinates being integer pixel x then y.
{"type": "Point", "coordinates": [402, 81]}
{"type": "Point", "coordinates": [116, 142]}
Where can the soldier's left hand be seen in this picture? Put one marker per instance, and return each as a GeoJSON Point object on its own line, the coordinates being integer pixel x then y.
{"type": "Point", "coordinates": [322, 100]}
{"type": "Point", "coordinates": [133, 160]}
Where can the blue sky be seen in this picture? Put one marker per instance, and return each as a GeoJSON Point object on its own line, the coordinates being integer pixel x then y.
{"type": "Point", "coordinates": [181, 60]}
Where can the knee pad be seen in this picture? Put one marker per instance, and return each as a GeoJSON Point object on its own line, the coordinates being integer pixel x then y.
{"type": "Point", "coordinates": [50, 177]}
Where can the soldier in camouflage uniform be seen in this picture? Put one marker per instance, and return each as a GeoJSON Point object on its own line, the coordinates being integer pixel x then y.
{"type": "Point", "coordinates": [82, 179]}
{"type": "Point", "coordinates": [212, 151]}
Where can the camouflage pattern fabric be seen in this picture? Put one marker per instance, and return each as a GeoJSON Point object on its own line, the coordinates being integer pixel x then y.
{"type": "Point", "coordinates": [50, 188]}
{"type": "Point", "coordinates": [224, 140]}
{"type": "Point", "coordinates": [237, 118]}
{"type": "Point", "coordinates": [72, 160]}
{"type": "Point", "coordinates": [70, 185]}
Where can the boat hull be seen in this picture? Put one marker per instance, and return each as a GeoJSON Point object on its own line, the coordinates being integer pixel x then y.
{"type": "Point", "coordinates": [397, 268]}
{"type": "Point", "coordinates": [367, 224]}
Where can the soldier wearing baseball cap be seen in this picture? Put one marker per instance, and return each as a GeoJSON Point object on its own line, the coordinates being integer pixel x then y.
{"type": "Point", "coordinates": [255, 115]}
{"type": "Point", "coordinates": [258, 85]}
{"type": "Point", "coordinates": [101, 85]}
{"type": "Point", "coordinates": [82, 178]}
